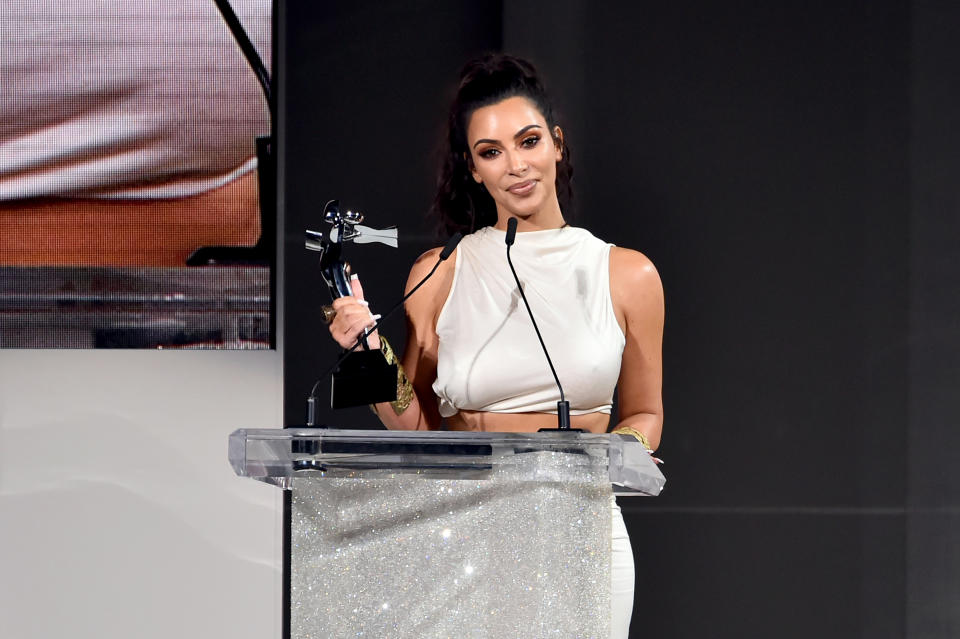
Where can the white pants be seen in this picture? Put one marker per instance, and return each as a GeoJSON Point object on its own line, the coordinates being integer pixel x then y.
{"type": "Point", "coordinates": [621, 577]}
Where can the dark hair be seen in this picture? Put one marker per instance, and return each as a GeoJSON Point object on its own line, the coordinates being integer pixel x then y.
{"type": "Point", "coordinates": [460, 203]}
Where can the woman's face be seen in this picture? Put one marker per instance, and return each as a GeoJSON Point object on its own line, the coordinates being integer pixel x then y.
{"type": "Point", "coordinates": [514, 156]}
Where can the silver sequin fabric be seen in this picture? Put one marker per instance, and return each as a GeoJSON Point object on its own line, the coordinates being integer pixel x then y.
{"type": "Point", "coordinates": [522, 552]}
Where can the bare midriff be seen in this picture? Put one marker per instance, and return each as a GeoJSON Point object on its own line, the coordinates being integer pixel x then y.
{"type": "Point", "coordinates": [523, 422]}
{"type": "Point", "coordinates": [128, 232]}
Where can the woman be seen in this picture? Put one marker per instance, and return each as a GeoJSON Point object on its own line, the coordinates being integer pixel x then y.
{"type": "Point", "coordinates": [472, 356]}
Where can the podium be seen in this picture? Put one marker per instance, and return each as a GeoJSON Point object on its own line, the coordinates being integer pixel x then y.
{"type": "Point", "coordinates": [441, 534]}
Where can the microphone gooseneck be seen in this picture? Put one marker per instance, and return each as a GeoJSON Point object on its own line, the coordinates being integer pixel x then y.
{"type": "Point", "coordinates": [312, 397]}
{"type": "Point", "coordinates": [563, 406]}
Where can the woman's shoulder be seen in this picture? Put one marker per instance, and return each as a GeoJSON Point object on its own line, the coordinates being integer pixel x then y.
{"type": "Point", "coordinates": [434, 290]}
{"type": "Point", "coordinates": [427, 259]}
{"type": "Point", "coordinates": [471, 242]}
{"type": "Point", "coordinates": [632, 272]}
{"type": "Point", "coordinates": [630, 260]}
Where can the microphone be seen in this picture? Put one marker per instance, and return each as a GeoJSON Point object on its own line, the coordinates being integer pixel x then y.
{"type": "Point", "coordinates": [447, 250]}
{"type": "Point", "coordinates": [312, 397]}
{"type": "Point", "coordinates": [563, 406]}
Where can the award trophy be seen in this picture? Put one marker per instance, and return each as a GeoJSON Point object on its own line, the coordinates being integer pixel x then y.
{"type": "Point", "coordinates": [363, 376]}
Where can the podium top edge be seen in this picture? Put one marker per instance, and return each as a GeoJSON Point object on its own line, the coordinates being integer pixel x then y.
{"type": "Point", "coordinates": [276, 455]}
{"type": "Point", "coordinates": [346, 434]}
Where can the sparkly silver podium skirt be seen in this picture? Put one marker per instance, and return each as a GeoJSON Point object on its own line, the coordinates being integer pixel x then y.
{"type": "Point", "coordinates": [524, 552]}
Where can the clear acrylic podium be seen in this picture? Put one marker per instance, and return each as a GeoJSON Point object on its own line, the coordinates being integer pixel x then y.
{"type": "Point", "coordinates": [441, 534]}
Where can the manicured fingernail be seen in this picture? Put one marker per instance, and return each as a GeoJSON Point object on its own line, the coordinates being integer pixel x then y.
{"type": "Point", "coordinates": [375, 317]}
{"type": "Point", "coordinates": [354, 277]}
{"type": "Point", "coordinates": [363, 302]}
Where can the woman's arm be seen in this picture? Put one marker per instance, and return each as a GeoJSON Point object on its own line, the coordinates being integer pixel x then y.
{"type": "Point", "coordinates": [638, 301]}
{"type": "Point", "coordinates": [420, 353]}
{"type": "Point", "coordinates": [419, 358]}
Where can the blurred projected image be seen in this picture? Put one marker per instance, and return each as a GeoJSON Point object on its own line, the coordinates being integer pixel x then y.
{"type": "Point", "coordinates": [129, 182]}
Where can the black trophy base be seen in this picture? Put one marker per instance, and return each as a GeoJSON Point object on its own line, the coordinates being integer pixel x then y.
{"type": "Point", "coordinates": [364, 377]}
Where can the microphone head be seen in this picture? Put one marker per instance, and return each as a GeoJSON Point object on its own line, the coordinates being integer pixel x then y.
{"type": "Point", "coordinates": [511, 231]}
{"type": "Point", "coordinates": [451, 244]}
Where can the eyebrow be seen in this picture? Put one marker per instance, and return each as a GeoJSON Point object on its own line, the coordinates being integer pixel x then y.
{"type": "Point", "coordinates": [516, 135]}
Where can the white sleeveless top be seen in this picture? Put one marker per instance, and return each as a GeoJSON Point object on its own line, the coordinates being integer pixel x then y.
{"type": "Point", "coordinates": [489, 358]}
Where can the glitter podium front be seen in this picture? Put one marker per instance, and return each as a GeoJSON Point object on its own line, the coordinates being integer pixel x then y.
{"type": "Point", "coordinates": [448, 534]}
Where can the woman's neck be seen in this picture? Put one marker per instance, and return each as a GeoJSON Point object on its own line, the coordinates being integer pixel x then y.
{"type": "Point", "coordinates": [539, 221]}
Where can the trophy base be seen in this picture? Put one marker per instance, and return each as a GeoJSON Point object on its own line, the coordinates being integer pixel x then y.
{"type": "Point", "coordinates": [364, 377]}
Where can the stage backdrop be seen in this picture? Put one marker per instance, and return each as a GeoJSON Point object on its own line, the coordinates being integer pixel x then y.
{"type": "Point", "coordinates": [790, 168]}
{"type": "Point", "coordinates": [119, 511]}
{"type": "Point", "coordinates": [127, 144]}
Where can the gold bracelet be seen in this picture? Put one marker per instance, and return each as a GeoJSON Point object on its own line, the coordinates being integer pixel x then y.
{"type": "Point", "coordinates": [405, 392]}
{"type": "Point", "coordinates": [629, 430]}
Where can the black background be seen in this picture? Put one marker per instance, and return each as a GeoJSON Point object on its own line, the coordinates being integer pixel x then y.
{"type": "Point", "coordinates": [791, 168]}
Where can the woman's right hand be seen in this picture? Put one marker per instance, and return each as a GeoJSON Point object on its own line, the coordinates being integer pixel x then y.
{"type": "Point", "coordinates": [353, 318]}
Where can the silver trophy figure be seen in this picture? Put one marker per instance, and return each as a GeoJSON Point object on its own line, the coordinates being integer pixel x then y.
{"type": "Point", "coordinates": [363, 376]}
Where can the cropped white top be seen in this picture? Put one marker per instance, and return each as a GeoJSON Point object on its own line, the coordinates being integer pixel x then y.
{"type": "Point", "coordinates": [489, 358]}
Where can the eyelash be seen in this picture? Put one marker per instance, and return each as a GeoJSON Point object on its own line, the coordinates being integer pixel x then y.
{"type": "Point", "coordinates": [528, 143]}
